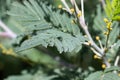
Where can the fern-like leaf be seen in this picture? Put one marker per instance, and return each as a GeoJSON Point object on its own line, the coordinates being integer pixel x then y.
{"type": "Point", "coordinates": [113, 12]}
{"type": "Point", "coordinates": [46, 26]}
{"type": "Point", "coordinates": [63, 41]}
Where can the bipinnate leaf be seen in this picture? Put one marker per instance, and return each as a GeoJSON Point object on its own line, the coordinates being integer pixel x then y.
{"type": "Point", "coordinates": [46, 26]}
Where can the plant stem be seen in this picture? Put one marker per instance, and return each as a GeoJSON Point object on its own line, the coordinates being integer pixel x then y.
{"type": "Point", "coordinates": [66, 6]}
{"type": "Point", "coordinates": [105, 61]}
{"type": "Point", "coordinates": [101, 46]}
{"type": "Point", "coordinates": [103, 3]}
{"type": "Point", "coordinates": [82, 8]}
{"type": "Point", "coordinates": [7, 32]}
{"type": "Point", "coordinates": [81, 20]}
{"type": "Point", "coordinates": [106, 45]}
{"type": "Point", "coordinates": [116, 61]}
{"type": "Point", "coordinates": [93, 44]}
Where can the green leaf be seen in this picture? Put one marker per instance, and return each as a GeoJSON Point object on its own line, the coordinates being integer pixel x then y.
{"type": "Point", "coordinates": [99, 24]}
{"type": "Point", "coordinates": [118, 44]}
{"type": "Point", "coordinates": [117, 11]}
{"type": "Point", "coordinates": [28, 16]}
{"type": "Point", "coordinates": [106, 75]}
{"type": "Point", "coordinates": [63, 41]}
{"type": "Point", "coordinates": [24, 77]}
{"type": "Point", "coordinates": [115, 3]}
{"type": "Point", "coordinates": [117, 18]}
{"type": "Point", "coordinates": [99, 75]}
{"type": "Point", "coordinates": [46, 26]}
{"type": "Point", "coordinates": [113, 12]}
{"type": "Point", "coordinates": [95, 76]}
{"type": "Point", "coordinates": [38, 57]}
{"type": "Point", "coordinates": [33, 16]}
{"type": "Point", "coordinates": [39, 75]}
{"type": "Point", "coordinates": [110, 76]}
{"type": "Point", "coordinates": [100, 27]}
{"type": "Point", "coordinates": [112, 68]}
{"type": "Point", "coordinates": [108, 9]}
{"type": "Point", "coordinates": [114, 33]}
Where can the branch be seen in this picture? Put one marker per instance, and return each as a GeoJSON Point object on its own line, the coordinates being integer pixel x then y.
{"type": "Point", "coordinates": [99, 51]}
{"type": "Point", "coordinates": [82, 8]}
{"type": "Point", "coordinates": [8, 32]}
{"type": "Point", "coordinates": [81, 20]}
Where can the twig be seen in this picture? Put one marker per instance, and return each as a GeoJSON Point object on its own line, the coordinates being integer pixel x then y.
{"type": "Point", "coordinates": [107, 40]}
{"type": "Point", "coordinates": [82, 8]}
{"type": "Point", "coordinates": [103, 3]}
{"type": "Point", "coordinates": [87, 44]}
{"type": "Point", "coordinates": [101, 46]}
{"type": "Point", "coordinates": [95, 52]}
{"type": "Point", "coordinates": [95, 48]}
{"type": "Point", "coordinates": [105, 60]}
{"type": "Point", "coordinates": [90, 38]}
{"type": "Point", "coordinates": [85, 28]}
{"type": "Point", "coordinates": [116, 61]}
{"type": "Point", "coordinates": [7, 32]}
{"type": "Point", "coordinates": [66, 6]}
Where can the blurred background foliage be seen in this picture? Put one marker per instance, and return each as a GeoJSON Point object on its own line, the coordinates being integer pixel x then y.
{"type": "Point", "coordinates": [46, 64]}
